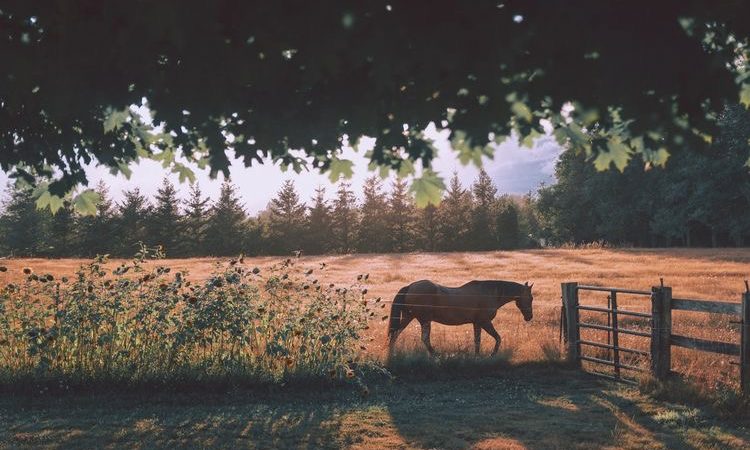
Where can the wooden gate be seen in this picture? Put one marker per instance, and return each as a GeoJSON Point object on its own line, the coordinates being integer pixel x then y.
{"type": "Point", "coordinates": [660, 333]}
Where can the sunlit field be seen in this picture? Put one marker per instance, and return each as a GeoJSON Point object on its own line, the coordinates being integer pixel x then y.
{"type": "Point", "coordinates": [702, 273]}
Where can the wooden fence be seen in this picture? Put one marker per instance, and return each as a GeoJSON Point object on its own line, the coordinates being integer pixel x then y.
{"type": "Point", "coordinates": [660, 334]}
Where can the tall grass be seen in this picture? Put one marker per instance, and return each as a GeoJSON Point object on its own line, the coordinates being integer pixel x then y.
{"type": "Point", "coordinates": [144, 323]}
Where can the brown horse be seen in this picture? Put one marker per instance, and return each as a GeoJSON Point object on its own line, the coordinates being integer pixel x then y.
{"type": "Point", "coordinates": [475, 302]}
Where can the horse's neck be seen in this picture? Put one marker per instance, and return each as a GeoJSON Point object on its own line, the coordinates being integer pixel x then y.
{"type": "Point", "coordinates": [504, 292]}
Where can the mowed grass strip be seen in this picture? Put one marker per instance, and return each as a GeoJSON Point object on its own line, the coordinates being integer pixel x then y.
{"type": "Point", "coordinates": [523, 406]}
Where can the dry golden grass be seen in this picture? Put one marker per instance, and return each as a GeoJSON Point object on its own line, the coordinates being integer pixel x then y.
{"type": "Point", "coordinates": [701, 273]}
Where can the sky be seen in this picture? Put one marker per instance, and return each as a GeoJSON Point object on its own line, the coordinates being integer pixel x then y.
{"type": "Point", "coordinates": [514, 169]}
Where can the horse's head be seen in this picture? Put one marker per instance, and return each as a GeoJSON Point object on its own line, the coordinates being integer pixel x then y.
{"type": "Point", "coordinates": [524, 301]}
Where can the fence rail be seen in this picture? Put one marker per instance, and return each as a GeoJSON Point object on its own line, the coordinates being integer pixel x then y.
{"type": "Point", "coordinates": [660, 333]}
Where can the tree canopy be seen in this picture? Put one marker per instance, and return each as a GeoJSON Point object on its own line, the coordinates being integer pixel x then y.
{"type": "Point", "coordinates": [294, 81]}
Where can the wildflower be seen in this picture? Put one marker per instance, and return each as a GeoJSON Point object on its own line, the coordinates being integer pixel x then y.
{"type": "Point", "coordinates": [27, 270]}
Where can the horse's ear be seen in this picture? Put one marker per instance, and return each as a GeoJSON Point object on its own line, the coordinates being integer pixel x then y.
{"type": "Point", "coordinates": [531, 286]}
{"type": "Point", "coordinates": [526, 283]}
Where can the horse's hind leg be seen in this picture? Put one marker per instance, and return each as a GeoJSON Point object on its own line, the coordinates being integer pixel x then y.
{"type": "Point", "coordinates": [487, 326]}
{"type": "Point", "coordinates": [426, 335]}
{"type": "Point", "coordinates": [406, 320]}
{"type": "Point", "coordinates": [477, 337]}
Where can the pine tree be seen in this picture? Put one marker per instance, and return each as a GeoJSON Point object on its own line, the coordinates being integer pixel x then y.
{"type": "Point", "coordinates": [373, 226]}
{"type": "Point", "coordinates": [318, 226]}
{"type": "Point", "coordinates": [195, 220]}
{"type": "Point", "coordinates": [24, 228]}
{"type": "Point", "coordinates": [401, 217]}
{"type": "Point", "coordinates": [165, 221]}
{"type": "Point", "coordinates": [507, 223]}
{"type": "Point", "coordinates": [287, 220]}
{"type": "Point", "coordinates": [226, 229]}
{"type": "Point", "coordinates": [428, 228]}
{"type": "Point", "coordinates": [131, 223]}
{"type": "Point", "coordinates": [454, 214]}
{"type": "Point", "coordinates": [62, 232]}
{"type": "Point", "coordinates": [97, 232]}
{"type": "Point", "coordinates": [344, 223]}
{"type": "Point", "coordinates": [482, 233]}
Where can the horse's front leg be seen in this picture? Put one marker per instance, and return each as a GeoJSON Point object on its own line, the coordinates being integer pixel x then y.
{"type": "Point", "coordinates": [426, 335]}
{"type": "Point", "coordinates": [477, 337]}
{"type": "Point", "coordinates": [487, 326]}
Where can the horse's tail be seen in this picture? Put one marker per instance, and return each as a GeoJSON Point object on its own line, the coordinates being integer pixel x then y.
{"type": "Point", "coordinates": [397, 308]}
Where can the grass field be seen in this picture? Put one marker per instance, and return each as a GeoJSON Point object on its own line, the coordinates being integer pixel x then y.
{"type": "Point", "coordinates": [692, 273]}
{"type": "Point", "coordinates": [521, 403]}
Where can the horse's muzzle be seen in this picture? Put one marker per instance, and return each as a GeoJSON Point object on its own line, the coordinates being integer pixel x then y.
{"type": "Point", "coordinates": [528, 318]}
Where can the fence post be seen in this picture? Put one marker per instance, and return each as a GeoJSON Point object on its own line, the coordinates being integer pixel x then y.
{"type": "Point", "coordinates": [661, 330]}
{"type": "Point", "coordinates": [745, 345]}
{"type": "Point", "coordinates": [570, 300]}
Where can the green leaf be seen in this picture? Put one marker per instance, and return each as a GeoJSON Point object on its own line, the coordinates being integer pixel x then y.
{"type": "Point", "coordinates": [47, 200]}
{"type": "Point", "coordinates": [406, 168]}
{"type": "Point", "coordinates": [521, 111]}
{"type": "Point", "coordinates": [658, 157]}
{"type": "Point", "coordinates": [745, 95]}
{"type": "Point", "coordinates": [339, 168]}
{"type": "Point", "coordinates": [617, 153]}
{"type": "Point", "coordinates": [183, 172]}
{"type": "Point", "coordinates": [115, 119]}
{"type": "Point", "coordinates": [85, 202]}
{"type": "Point", "coordinates": [573, 135]}
{"type": "Point", "coordinates": [428, 189]}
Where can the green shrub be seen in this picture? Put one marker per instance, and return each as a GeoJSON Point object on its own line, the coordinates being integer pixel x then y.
{"type": "Point", "coordinates": [137, 324]}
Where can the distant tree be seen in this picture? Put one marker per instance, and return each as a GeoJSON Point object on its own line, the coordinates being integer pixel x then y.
{"type": "Point", "coordinates": [507, 223]}
{"type": "Point", "coordinates": [195, 219]}
{"type": "Point", "coordinates": [454, 215]}
{"type": "Point", "coordinates": [287, 220]}
{"type": "Point", "coordinates": [165, 226]}
{"type": "Point", "coordinates": [131, 223]}
{"type": "Point", "coordinates": [97, 232]}
{"type": "Point", "coordinates": [62, 235]}
{"type": "Point", "coordinates": [428, 228]}
{"type": "Point", "coordinates": [373, 227]}
{"type": "Point", "coordinates": [401, 217]}
{"type": "Point", "coordinates": [482, 231]}
{"type": "Point", "coordinates": [226, 229]}
{"type": "Point", "coordinates": [24, 228]}
{"type": "Point", "coordinates": [344, 219]}
{"type": "Point", "coordinates": [317, 238]}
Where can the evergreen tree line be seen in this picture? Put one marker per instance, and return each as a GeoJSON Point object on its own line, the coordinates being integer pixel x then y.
{"type": "Point", "coordinates": [700, 198]}
{"type": "Point", "coordinates": [469, 218]}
